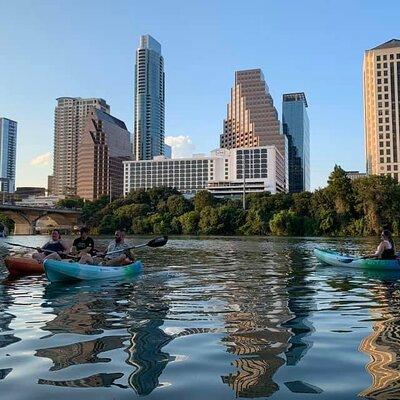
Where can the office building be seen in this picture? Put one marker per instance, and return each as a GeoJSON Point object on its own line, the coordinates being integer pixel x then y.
{"type": "Point", "coordinates": [381, 72]}
{"type": "Point", "coordinates": [296, 127]}
{"type": "Point", "coordinates": [149, 100]}
{"type": "Point", "coordinates": [69, 125]}
{"type": "Point", "coordinates": [252, 119]}
{"type": "Point", "coordinates": [105, 144]}
{"type": "Point", "coordinates": [167, 151]}
{"type": "Point", "coordinates": [8, 149]}
{"type": "Point", "coordinates": [221, 173]}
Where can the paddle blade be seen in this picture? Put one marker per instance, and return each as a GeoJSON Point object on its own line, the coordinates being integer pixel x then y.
{"type": "Point", "coordinates": [158, 241]}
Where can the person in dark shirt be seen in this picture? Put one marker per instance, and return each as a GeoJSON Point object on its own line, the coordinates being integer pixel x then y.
{"type": "Point", "coordinates": [55, 248]}
{"type": "Point", "coordinates": [84, 244]}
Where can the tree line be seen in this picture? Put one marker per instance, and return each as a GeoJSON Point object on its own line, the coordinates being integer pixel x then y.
{"type": "Point", "coordinates": [344, 208]}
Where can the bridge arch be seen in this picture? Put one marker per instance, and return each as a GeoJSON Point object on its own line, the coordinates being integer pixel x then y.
{"type": "Point", "coordinates": [26, 218]}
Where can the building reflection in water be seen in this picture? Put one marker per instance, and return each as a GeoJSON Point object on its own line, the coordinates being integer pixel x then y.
{"type": "Point", "coordinates": [271, 324]}
{"type": "Point", "coordinates": [383, 345]}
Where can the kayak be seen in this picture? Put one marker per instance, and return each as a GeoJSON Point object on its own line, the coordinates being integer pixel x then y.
{"type": "Point", "coordinates": [61, 271]}
{"type": "Point", "coordinates": [23, 266]}
{"type": "Point", "coordinates": [341, 260]}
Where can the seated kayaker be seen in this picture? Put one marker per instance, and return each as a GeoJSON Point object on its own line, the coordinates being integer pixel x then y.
{"type": "Point", "coordinates": [121, 257]}
{"type": "Point", "coordinates": [83, 246]}
{"type": "Point", "coordinates": [56, 248]}
{"type": "Point", "coordinates": [386, 249]}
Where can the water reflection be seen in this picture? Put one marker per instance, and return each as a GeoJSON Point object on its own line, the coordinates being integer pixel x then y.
{"type": "Point", "coordinates": [383, 344]}
{"type": "Point", "coordinates": [257, 304]}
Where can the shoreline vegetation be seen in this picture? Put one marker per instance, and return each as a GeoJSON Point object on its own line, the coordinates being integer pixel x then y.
{"type": "Point", "coordinates": [344, 208]}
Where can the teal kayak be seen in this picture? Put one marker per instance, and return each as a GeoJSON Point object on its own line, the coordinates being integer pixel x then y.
{"type": "Point", "coordinates": [60, 271]}
{"type": "Point", "coordinates": [340, 260]}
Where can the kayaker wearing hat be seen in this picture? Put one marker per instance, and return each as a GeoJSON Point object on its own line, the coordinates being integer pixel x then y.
{"type": "Point", "coordinates": [56, 248]}
{"type": "Point", "coordinates": [386, 249]}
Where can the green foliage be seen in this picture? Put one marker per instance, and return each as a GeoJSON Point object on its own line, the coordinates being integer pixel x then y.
{"type": "Point", "coordinates": [190, 222]}
{"type": "Point", "coordinates": [285, 223]}
{"type": "Point", "coordinates": [202, 199]}
{"type": "Point", "coordinates": [70, 203]}
{"type": "Point", "coordinates": [344, 207]}
{"type": "Point", "coordinates": [209, 221]}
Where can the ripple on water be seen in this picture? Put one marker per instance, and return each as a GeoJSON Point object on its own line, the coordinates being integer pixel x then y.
{"type": "Point", "coordinates": [209, 318]}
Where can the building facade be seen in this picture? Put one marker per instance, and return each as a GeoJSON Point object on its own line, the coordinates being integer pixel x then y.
{"type": "Point", "coordinates": [252, 119]}
{"type": "Point", "coordinates": [296, 127]}
{"type": "Point", "coordinates": [381, 72]}
{"type": "Point", "coordinates": [224, 173]}
{"type": "Point", "coordinates": [149, 112]}
{"type": "Point", "coordinates": [105, 144]}
{"type": "Point", "coordinates": [24, 192]}
{"type": "Point", "coordinates": [69, 125]}
{"type": "Point", "coordinates": [355, 175]}
{"type": "Point", "coordinates": [8, 152]}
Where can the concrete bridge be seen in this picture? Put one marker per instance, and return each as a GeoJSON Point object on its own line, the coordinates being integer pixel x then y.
{"type": "Point", "coordinates": [26, 219]}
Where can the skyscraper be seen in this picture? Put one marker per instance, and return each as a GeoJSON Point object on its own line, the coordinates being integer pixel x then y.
{"type": "Point", "coordinates": [381, 108]}
{"type": "Point", "coordinates": [149, 100]}
{"type": "Point", "coordinates": [105, 144]}
{"type": "Point", "coordinates": [296, 127]}
{"type": "Point", "coordinates": [69, 124]}
{"type": "Point", "coordinates": [252, 119]}
{"type": "Point", "coordinates": [8, 148]}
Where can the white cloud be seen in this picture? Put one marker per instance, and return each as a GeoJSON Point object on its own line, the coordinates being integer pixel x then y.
{"type": "Point", "coordinates": [43, 159]}
{"type": "Point", "coordinates": [182, 145]}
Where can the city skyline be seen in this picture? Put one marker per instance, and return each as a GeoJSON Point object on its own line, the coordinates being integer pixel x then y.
{"type": "Point", "coordinates": [332, 79]}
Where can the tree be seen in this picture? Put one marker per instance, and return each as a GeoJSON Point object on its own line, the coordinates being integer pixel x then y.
{"type": "Point", "coordinates": [189, 222]}
{"type": "Point", "coordinates": [377, 201]}
{"type": "Point", "coordinates": [285, 223]}
{"type": "Point", "coordinates": [203, 198]}
{"type": "Point", "coordinates": [70, 203]}
{"type": "Point", "coordinates": [209, 221]}
{"type": "Point", "coordinates": [177, 205]}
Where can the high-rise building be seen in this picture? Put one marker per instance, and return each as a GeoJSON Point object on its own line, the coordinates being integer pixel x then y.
{"type": "Point", "coordinates": [105, 144]}
{"type": "Point", "coordinates": [149, 100]}
{"type": "Point", "coordinates": [8, 149]}
{"type": "Point", "coordinates": [381, 109]}
{"type": "Point", "coordinates": [296, 127]}
{"type": "Point", "coordinates": [69, 124]}
{"type": "Point", "coordinates": [252, 119]}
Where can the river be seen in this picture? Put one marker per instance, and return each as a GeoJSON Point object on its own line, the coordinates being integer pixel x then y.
{"type": "Point", "coordinates": [209, 318]}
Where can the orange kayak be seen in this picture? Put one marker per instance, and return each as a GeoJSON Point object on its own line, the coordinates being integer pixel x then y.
{"type": "Point", "coordinates": [23, 266]}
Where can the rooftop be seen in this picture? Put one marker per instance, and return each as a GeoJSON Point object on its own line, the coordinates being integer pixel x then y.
{"type": "Point", "coordinates": [300, 96]}
{"type": "Point", "coordinates": [388, 45]}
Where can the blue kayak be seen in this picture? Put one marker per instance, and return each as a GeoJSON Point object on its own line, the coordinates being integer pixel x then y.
{"type": "Point", "coordinates": [61, 271]}
{"type": "Point", "coordinates": [341, 260]}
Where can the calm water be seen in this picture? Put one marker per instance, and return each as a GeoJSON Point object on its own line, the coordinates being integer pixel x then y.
{"type": "Point", "coordinates": [213, 318]}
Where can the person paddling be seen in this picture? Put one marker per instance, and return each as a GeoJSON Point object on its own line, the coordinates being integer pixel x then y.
{"type": "Point", "coordinates": [117, 259]}
{"type": "Point", "coordinates": [56, 248]}
{"type": "Point", "coordinates": [386, 249]}
{"type": "Point", "coordinates": [118, 243]}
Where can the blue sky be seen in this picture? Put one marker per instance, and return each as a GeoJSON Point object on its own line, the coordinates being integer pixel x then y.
{"type": "Point", "coordinates": [54, 48]}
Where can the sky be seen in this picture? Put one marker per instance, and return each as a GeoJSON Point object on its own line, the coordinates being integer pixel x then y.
{"type": "Point", "coordinates": [86, 48]}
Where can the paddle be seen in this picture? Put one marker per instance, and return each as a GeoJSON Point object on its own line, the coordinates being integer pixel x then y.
{"type": "Point", "coordinates": [156, 242]}
{"type": "Point", "coordinates": [37, 249]}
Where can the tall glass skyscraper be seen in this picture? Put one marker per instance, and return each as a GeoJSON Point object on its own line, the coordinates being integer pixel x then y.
{"type": "Point", "coordinates": [149, 100]}
{"type": "Point", "coordinates": [8, 148]}
{"type": "Point", "coordinates": [296, 127]}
